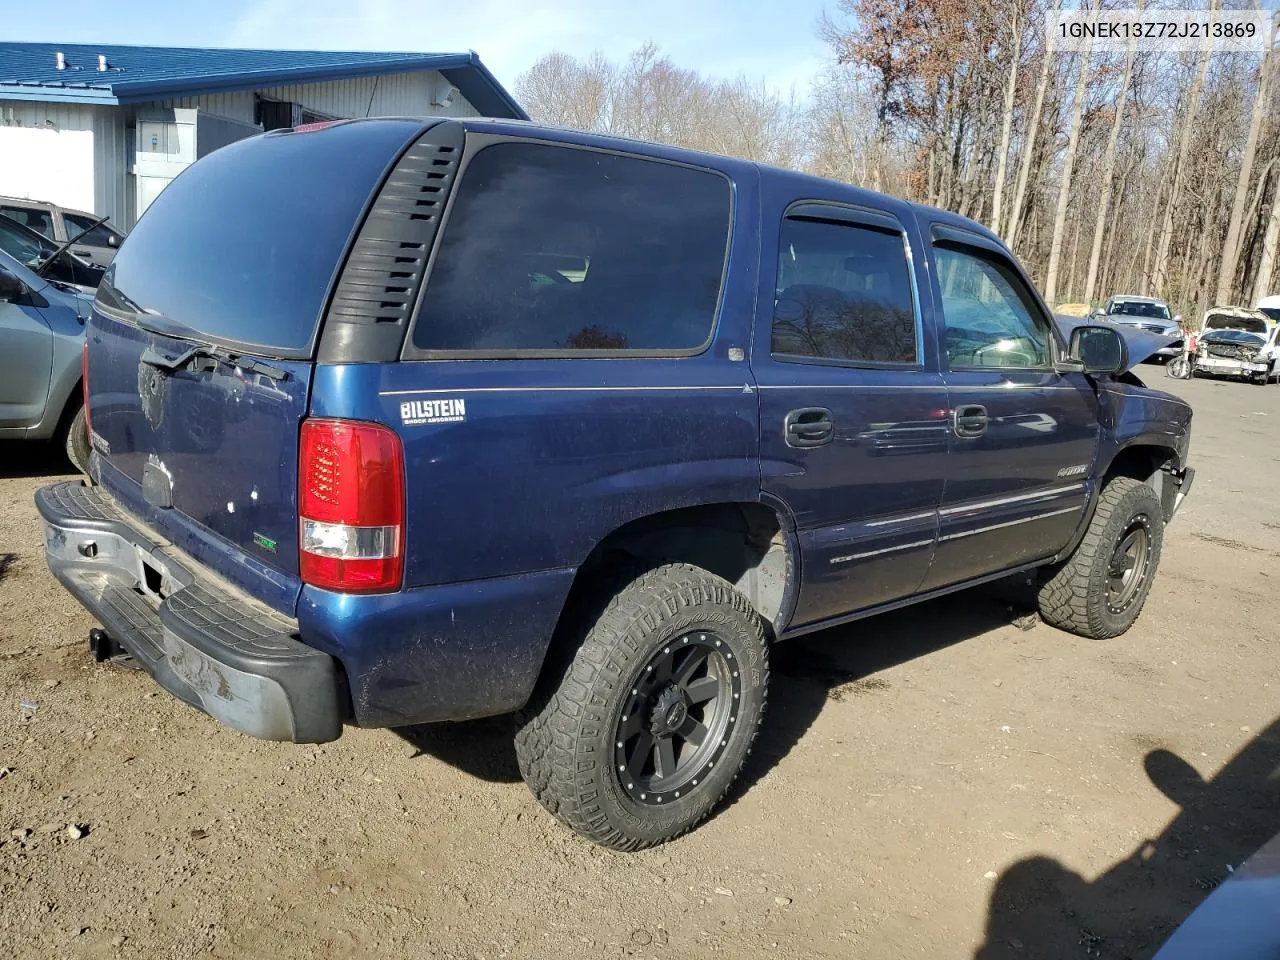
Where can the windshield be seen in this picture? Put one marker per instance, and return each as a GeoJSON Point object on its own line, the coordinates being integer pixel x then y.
{"type": "Point", "coordinates": [1134, 308]}
{"type": "Point", "coordinates": [1223, 321]}
{"type": "Point", "coordinates": [1272, 312]}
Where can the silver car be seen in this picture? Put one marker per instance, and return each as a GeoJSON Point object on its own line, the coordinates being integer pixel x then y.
{"type": "Point", "coordinates": [1146, 313]}
{"type": "Point", "coordinates": [41, 340]}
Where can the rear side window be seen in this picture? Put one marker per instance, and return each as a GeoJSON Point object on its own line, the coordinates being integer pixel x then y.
{"type": "Point", "coordinates": [242, 246]}
{"type": "Point", "coordinates": [41, 221]}
{"type": "Point", "coordinates": [843, 293]}
{"type": "Point", "coordinates": [554, 250]}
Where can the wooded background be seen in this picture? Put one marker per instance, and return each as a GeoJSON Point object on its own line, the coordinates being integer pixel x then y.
{"type": "Point", "coordinates": [1106, 173]}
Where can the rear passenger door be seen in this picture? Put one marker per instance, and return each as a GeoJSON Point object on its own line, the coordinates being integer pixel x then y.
{"type": "Point", "coordinates": [1023, 435]}
{"type": "Point", "coordinates": [852, 415]}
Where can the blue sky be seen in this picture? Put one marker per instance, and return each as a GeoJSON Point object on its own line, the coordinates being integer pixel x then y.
{"type": "Point", "coordinates": [764, 39]}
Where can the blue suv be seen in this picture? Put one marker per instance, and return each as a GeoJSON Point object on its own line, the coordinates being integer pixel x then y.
{"type": "Point", "coordinates": [397, 421]}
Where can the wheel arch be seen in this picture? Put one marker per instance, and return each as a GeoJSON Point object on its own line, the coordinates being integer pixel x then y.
{"type": "Point", "coordinates": [752, 544]}
{"type": "Point", "coordinates": [1148, 461]}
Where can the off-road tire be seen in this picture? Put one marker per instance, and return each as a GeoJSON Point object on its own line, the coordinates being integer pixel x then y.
{"type": "Point", "coordinates": [75, 441]}
{"type": "Point", "coordinates": [565, 735]}
{"type": "Point", "coordinates": [1074, 596]}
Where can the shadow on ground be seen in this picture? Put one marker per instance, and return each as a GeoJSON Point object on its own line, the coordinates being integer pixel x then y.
{"type": "Point", "coordinates": [33, 458]}
{"type": "Point", "coordinates": [1041, 909]}
{"type": "Point", "coordinates": [806, 673]}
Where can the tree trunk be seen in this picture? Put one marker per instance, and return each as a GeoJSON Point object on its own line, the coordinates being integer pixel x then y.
{"type": "Point", "coordinates": [1160, 274]}
{"type": "Point", "coordinates": [1108, 171]}
{"type": "Point", "coordinates": [1068, 165]}
{"type": "Point", "coordinates": [1270, 239]}
{"type": "Point", "coordinates": [1231, 247]}
{"type": "Point", "coordinates": [1029, 148]}
{"type": "Point", "coordinates": [1006, 127]}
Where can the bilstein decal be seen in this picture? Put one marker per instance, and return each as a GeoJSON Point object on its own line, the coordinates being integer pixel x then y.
{"type": "Point", "coordinates": [415, 412]}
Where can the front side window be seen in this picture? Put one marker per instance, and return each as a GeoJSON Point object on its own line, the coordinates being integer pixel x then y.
{"type": "Point", "coordinates": [843, 293]}
{"type": "Point", "coordinates": [566, 251]}
{"type": "Point", "coordinates": [41, 221]}
{"type": "Point", "coordinates": [987, 314]}
{"type": "Point", "coordinates": [95, 236]}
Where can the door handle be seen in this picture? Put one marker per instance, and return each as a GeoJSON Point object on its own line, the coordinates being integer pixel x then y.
{"type": "Point", "coordinates": [970, 420]}
{"type": "Point", "coordinates": [808, 427]}
{"type": "Point", "coordinates": [83, 252]}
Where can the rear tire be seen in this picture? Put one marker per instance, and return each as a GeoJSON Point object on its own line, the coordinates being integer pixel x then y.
{"type": "Point", "coordinates": [677, 657]}
{"type": "Point", "coordinates": [1099, 592]}
{"type": "Point", "coordinates": [75, 441]}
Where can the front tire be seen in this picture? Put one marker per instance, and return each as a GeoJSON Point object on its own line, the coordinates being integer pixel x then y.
{"type": "Point", "coordinates": [1099, 592]}
{"type": "Point", "coordinates": [637, 739]}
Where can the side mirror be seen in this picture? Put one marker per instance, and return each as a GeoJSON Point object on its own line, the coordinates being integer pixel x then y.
{"type": "Point", "coordinates": [1098, 349]}
{"type": "Point", "coordinates": [1177, 318]}
{"type": "Point", "coordinates": [113, 240]}
{"type": "Point", "coordinates": [11, 288]}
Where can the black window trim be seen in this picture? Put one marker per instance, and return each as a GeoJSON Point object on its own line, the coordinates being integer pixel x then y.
{"type": "Point", "coordinates": [981, 248]}
{"type": "Point", "coordinates": [854, 215]}
{"type": "Point", "coordinates": [473, 145]}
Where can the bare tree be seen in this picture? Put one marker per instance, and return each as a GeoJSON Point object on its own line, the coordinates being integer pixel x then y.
{"type": "Point", "coordinates": [1028, 151]}
{"type": "Point", "coordinates": [1108, 173]}
{"type": "Point", "coordinates": [1068, 167]}
{"type": "Point", "coordinates": [1231, 245]}
{"type": "Point", "coordinates": [1160, 270]}
{"type": "Point", "coordinates": [1016, 28]}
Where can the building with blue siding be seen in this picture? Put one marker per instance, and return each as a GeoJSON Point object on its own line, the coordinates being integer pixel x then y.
{"type": "Point", "coordinates": [104, 128]}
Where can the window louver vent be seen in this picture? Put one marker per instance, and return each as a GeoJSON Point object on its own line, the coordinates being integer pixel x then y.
{"type": "Point", "coordinates": [379, 284]}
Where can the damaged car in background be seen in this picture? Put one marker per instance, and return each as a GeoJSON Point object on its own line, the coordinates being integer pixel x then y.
{"type": "Point", "coordinates": [1238, 343]}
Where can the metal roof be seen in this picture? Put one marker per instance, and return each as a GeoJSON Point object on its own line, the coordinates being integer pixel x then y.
{"type": "Point", "coordinates": [29, 71]}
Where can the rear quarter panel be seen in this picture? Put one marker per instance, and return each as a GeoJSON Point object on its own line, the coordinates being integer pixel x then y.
{"type": "Point", "coordinates": [548, 456]}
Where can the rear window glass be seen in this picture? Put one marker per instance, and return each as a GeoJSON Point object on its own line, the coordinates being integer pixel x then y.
{"type": "Point", "coordinates": [1221, 321]}
{"type": "Point", "coordinates": [559, 250]}
{"type": "Point", "coordinates": [242, 245]}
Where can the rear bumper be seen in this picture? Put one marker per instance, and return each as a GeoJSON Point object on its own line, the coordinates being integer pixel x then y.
{"type": "Point", "coordinates": [202, 640]}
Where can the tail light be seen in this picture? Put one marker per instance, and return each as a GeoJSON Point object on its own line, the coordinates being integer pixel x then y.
{"type": "Point", "coordinates": [350, 506]}
{"type": "Point", "coordinates": [84, 385]}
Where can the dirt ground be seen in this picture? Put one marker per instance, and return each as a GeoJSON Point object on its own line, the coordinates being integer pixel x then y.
{"type": "Point", "coordinates": [935, 782]}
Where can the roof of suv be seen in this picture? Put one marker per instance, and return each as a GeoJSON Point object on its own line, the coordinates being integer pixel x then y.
{"type": "Point", "coordinates": [1136, 298]}
{"type": "Point", "coordinates": [29, 202]}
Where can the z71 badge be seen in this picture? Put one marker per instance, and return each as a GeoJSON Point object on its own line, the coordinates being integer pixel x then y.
{"type": "Point", "coordinates": [414, 412]}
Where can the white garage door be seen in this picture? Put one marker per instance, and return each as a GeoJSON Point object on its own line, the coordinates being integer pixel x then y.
{"type": "Point", "coordinates": [47, 164]}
